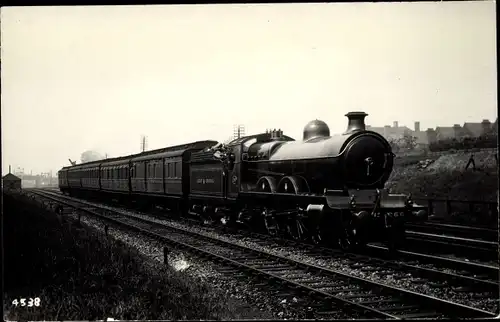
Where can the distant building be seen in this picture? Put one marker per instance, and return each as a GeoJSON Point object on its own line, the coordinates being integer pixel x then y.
{"type": "Point", "coordinates": [477, 129]}
{"type": "Point", "coordinates": [29, 181]}
{"type": "Point", "coordinates": [431, 135]}
{"type": "Point", "coordinates": [445, 132]}
{"type": "Point", "coordinates": [395, 132]}
{"type": "Point", "coordinates": [421, 137]}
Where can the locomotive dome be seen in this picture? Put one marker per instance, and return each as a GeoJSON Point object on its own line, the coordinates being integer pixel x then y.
{"type": "Point", "coordinates": [315, 129]}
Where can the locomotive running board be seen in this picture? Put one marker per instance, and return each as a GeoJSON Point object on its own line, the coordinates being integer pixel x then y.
{"type": "Point", "coordinates": [255, 194]}
{"type": "Point", "coordinates": [365, 199]}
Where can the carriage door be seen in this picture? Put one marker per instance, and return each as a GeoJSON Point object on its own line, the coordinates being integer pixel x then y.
{"type": "Point", "coordinates": [232, 179]}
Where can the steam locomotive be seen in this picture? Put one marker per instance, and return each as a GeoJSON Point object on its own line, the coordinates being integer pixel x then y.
{"type": "Point", "coordinates": [323, 189]}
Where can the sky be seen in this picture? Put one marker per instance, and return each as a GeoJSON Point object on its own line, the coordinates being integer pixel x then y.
{"type": "Point", "coordinates": [97, 78]}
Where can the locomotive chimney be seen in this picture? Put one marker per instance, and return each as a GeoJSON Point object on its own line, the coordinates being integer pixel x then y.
{"type": "Point", "coordinates": [356, 122]}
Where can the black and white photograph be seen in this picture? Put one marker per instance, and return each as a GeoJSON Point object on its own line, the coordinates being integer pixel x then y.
{"type": "Point", "coordinates": [274, 161]}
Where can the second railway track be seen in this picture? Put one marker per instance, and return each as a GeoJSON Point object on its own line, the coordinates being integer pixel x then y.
{"type": "Point", "coordinates": [328, 290]}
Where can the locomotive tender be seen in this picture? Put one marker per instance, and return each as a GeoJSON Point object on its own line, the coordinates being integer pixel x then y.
{"type": "Point", "coordinates": [325, 189]}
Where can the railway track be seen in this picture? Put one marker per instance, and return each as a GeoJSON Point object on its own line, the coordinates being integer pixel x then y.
{"type": "Point", "coordinates": [471, 232]}
{"type": "Point", "coordinates": [438, 243]}
{"type": "Point", "coordinates": [327, 291]}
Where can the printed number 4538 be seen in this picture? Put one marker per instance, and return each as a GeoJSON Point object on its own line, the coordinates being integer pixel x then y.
{"type": "Point", "coordinates": [30, 302]}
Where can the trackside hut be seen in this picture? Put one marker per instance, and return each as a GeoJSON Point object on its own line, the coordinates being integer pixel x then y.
{"type": "Point", "coordinates": [11, 182]}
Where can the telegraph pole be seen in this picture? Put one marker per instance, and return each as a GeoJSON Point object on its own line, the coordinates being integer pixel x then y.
{"type": "Point", "coordinates": [238, 131]}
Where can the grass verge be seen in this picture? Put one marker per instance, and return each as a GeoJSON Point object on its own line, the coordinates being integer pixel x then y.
{"type": "Point", "coordinates": [447, 177]}
{"type": "Point", "coordinates": [79, 274]}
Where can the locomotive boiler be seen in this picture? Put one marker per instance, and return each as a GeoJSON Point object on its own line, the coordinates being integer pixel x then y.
{"type": "Point", "coordinates": [356, 159]}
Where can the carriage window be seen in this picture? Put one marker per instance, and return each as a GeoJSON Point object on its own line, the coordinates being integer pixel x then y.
{"type": "Point", "coordinates": [178, 170]}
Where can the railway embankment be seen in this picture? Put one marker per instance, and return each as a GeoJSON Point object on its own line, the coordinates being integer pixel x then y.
{"type": "Point", "coordinates": [445, 175]}
{"type": "Point", "coordinates": [77, 273]}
